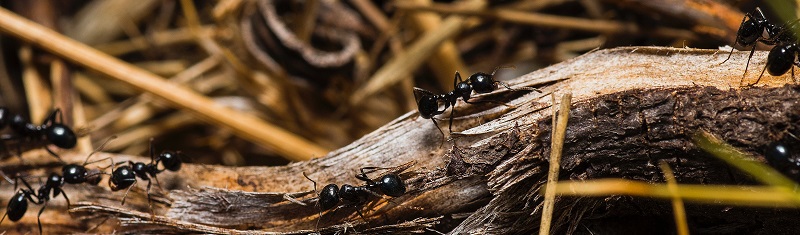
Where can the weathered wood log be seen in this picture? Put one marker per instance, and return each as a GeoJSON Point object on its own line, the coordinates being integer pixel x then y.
{"type": "Point", "coordinates": [632, 107]}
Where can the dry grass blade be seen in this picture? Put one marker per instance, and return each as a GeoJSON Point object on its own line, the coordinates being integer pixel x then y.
{"type": "Point", "coordinates": [738, 159]}
{"type": "Point", "coordinates": [733, 195]}
{"type": "Point", "coordinates": [247, 126]}
{"type": "Point", "coordinates": [677, 204]}
{"type": "Point", "coordinates": [401, 65]}
{"type": "Point", "coordinates": [559, 133]}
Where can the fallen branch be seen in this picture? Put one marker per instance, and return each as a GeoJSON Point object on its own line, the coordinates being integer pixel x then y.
{"type": "Point", "coordinates": [631, 108]}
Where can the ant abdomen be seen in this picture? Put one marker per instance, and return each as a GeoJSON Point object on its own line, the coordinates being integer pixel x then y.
{"type": "Point", "coordinates": [61, 136]}
{"type": "Point", "coordinates": [17, 206]}
{"type": "Point", "coordinates": [781, 59]}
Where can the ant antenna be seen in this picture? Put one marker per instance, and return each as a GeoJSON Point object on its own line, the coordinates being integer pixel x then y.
{"type": "Point", "coordinates": [503, 67]}
{"type": "Point", "coordinates": [317, 204]}
{"type": "Point", "coordinates": [98, 149]}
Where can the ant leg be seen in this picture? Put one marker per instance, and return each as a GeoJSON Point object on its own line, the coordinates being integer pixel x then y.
{"type": "Point", "coordinates": [153, 153]}
{"type": "Point", "coordinates": [157, 183]}
{"type": "Point", "coordinates": [51, 118]}
{"type": "Point", "coordinates": [437, 127]}
{"type": "Point", "coordinates": [452, 113]}
{"type": "Point", "coordinates": [7, 178]}
{"type": "Point", "coordinates": [39, 217]}
{"type": "Point", "coordinates": [128, 190]}
{"type": "Point", "coordinates": [54, 154]}
{"type": "Point", "coordinates": [149, 200]}
{"type": "Point", "coordinates": [759, 76]}
{"type": "Point", "coordinates": [734, 41]}
{"type": "Point", "coordinates": [66, 198]}
{"type": "Point", "coordinates": [748, 65]}
{"type": "Point", "coordinates": [490, 101]}
{"type": "Point", "coordinates": [4, 217]}
{"type": "Point", "coordinates": [315, 191]}
{"type": "Point", "coordinates": [456, 79]}
{"type": "Point", "coordinates": [731, 53]}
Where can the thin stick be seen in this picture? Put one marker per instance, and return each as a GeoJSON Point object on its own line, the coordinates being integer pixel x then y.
{"type": "Point", "coordinates": [247, 126]}
{"type": "Point", "coordinates": [677, 203]}
{"type": "Point", "coordinates": [557, 144]}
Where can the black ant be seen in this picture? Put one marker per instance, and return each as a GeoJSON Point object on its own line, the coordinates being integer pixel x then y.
{"type": "Point", "coordinates": [751, 31]}
{"type": "Point", "coordinates": [390, 184]}
{"type": "Point", "coordinates": [72, 174]}
{"type": "Point", "coordinates": [756, 28]}
{"type": "Point", "coordinates": [428, 102]}
{"type": "Point", "coordinates": [51, 130]}
{"type": "Point", "coordinates": [124, 177]}
{"type": "Point", "coordinates": [783, 56]}
{"type": "Point", "coordinates": [779, 155]}
{"type": "Point", "coordinates": [78, 174]}
{"type": "Point", "coordinates": [19, 202]}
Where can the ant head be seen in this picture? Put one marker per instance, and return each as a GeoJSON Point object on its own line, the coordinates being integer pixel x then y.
{"type": "Point", "coordinates": [428, 105]}
{"type": "Point", "coordinates": [392, 185]}
{"type": "Point", "coordinates": [74, 174]}
{"type": "Point", "coordinates": [17, 206]}
{"type": "Point", "coordinates": [482, 82]}
{"type": "Point", "coordinates": [329, 197]}
{"type": "Point", "coordinates": [122, 177]}
{"type": "Point", "coordinates": [61, 136]}
{"type": "Point", "coordinates": [170, 160]}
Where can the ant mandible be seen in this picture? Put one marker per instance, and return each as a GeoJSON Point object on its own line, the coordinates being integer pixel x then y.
{"type": "Point", "coordinates": [51, 130]}
{"type": "Point", "coordinates": [124, 177]}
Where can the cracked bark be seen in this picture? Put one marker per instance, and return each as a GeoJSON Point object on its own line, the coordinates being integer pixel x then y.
{"type": "Point", "coordinates": [632, 107]}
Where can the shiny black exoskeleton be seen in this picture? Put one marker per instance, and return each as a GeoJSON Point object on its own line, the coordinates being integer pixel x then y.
{"type": "Point", "coordinates": [428, 103]}
{"type": "Point", "coordinates": [124, 177]}
{"type": "Point", "coordinates": [783, 157]}
{"type": "Point", "coordinates": [389, 184]}
{"type": "Point", "coordinates": [783, 56]}
{"type": "Point", "coordinates": [19, 202]}
{"type": "Point", "coordinates": [51, 131]}
{"type": "Point", "coordinates": [754, 28]}
{"type": "Point", "coordinates": [780, 156]}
